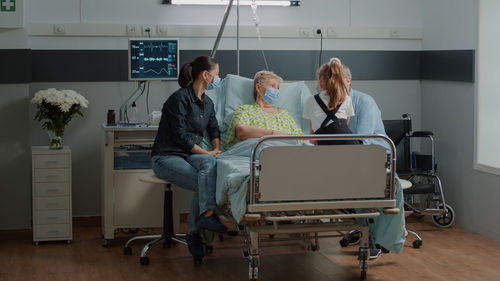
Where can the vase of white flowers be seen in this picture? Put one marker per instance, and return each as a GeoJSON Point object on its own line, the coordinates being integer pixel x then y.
{"type": "Point", "coordinates": [55, 110]}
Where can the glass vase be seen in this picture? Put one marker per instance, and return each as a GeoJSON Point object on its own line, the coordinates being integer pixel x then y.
{"type": "Point", "coordinates": [55, 140]}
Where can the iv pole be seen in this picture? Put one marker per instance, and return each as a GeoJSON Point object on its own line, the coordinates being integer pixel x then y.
{"type": "Point", "coordinates": [221, 31]}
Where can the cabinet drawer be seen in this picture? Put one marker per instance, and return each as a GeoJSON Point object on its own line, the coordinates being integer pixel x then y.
{"type": "Point", "coordinates": [45, 189]}
{"type": "Point", "coordinates": [51, 161]}
{"type": "Point", "coordinates": [51, 175]}
{"type": "Point", "coordinates": [52, 203]}
{"type": "Point", "coordinates": [52, 231]}
{"type": "Point", "coordinates": [48, 217]}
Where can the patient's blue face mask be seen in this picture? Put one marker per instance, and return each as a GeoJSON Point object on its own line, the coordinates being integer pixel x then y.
{"type": "Point", "coordinates": [271, 95]}
{"type": "Point", "coordinates": [213, 84]}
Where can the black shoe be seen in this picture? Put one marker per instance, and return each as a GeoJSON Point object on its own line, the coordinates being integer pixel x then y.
{"type": "Point", "coordinates": [354, 237]}
{"type": "Point", "coordinates": [212, 223]}
{"type": "Point", "coordinates": [195, 245]}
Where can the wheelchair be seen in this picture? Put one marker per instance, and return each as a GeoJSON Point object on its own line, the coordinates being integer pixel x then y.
{"type": "Point", "coordinates": [416, 162]}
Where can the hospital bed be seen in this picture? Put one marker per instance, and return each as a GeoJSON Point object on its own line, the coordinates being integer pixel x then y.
{"type": "Point", "coordinates": [279, 186]}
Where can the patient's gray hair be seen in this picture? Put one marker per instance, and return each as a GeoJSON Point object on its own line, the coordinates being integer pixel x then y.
{"type": "Point", "coordinates": [261, 78]}
{"type": "Point", "coordinates": [347, 71]}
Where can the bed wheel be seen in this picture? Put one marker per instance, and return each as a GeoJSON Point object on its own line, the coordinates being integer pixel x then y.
{"type": "Point", "coordinates": [363, 275]}
{"type": "Point", "coordinates": [446, 219]}
{"type": "Point", "coordinates": [144, 260]}
{"type": "Point", "coordinates": [363, 262]}
{"type": "Point", "coordinates": [253, 269]}
{"type": "Point", "coordinates": [197, 260]}
{"type": "Point", "coordinates": [127, 251]}
{"type": "Point", "coordinates": [417, 244]}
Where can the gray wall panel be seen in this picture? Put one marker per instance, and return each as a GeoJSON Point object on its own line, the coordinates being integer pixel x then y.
{"type": "Point", "coordinates": [15, 66]}
{"type": "Point", "coordinates": [22, 66]}
{"type": "Point", "coordinates": [455, 65]}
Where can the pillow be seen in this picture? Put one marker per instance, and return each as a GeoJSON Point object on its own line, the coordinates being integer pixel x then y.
{"type": "Point", "coordinates": [235, 91]}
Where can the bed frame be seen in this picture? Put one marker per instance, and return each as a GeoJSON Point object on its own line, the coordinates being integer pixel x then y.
{"type": "Point", "coordinates": [286, 200]}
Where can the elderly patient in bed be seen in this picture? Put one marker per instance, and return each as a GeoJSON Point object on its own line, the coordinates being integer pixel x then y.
{"type": "Point", "coordinates": [262, 117]}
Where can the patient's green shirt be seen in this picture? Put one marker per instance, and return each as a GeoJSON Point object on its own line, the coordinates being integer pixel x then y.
{"type": "Point", "coordinates": [253, 115]}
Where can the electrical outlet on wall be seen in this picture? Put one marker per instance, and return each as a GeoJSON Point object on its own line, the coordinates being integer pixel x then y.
{"type": "Point", "coordinates": [133, 29]}
{"type": "Point", "coordinates": [322, 31]}
{"type": "Point", "coordinates": [148, 30]}
{"type": "Point", "coordinates": [59, 29]}
{"type": "Point", "coordinates": [162, 30]}
{"type": "Point", "coordinates": [306, 32]}
{"type": "Point", "coordinates": [331, 32]}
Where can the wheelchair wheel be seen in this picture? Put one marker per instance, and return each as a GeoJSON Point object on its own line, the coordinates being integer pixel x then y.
{"type": "Point", "coordinates": [444, 220]}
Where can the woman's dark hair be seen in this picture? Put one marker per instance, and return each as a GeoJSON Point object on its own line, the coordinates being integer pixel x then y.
{"type": "Point", "coordinates": [200, 64]}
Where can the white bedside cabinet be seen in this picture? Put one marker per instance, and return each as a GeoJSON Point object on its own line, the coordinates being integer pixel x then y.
{"type": "Point", "coordinates": [51, 194]}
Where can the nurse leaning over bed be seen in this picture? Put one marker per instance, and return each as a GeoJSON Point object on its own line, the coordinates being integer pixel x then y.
{"type": "Point", "coordinates": [176, 154]}
{"type": "Point", "coordinates": [262, 117]}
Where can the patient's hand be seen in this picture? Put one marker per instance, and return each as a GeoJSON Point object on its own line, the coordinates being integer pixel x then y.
{"type": "Point", "coordinates": [276, 132]}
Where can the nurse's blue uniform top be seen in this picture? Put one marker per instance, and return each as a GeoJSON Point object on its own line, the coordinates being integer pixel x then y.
{"type": "Point", "coordinates": [387, 230]}
{"type": "Point", "coordinates": [367, 118]}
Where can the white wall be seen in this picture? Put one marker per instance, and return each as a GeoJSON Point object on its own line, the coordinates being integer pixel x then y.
{"type": "Point", "coordinates": [13, 38]}
{"type": "Point", "coordinates": [357, 14]}
{"type": "Point", "coordinates": [448, 110]}
{"type": "Point", "coordinates": [15, 161]}
{"type": "Point", "coordinates": [391, 13]}
{"type": "Point", "coordinates": [449, 24]}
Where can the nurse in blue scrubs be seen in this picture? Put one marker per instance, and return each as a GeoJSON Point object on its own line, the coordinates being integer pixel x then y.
{"type": "Point", "coordinates": [386, 230]}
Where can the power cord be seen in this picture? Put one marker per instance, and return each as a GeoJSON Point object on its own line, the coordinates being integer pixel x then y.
{"type": "Point", "coordinates": [318, 31]}
{"type": "Point", "coordinates": [147, 98]}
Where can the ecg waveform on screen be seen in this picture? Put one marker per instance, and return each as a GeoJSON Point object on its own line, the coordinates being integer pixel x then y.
{"type": "Point", "coordinates": [153, 59]}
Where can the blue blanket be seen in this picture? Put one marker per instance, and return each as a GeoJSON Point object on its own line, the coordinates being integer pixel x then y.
{"type": "Point", "coordinates": [233, 174]}
{"type": "Point", "coordinates": [233, 177]}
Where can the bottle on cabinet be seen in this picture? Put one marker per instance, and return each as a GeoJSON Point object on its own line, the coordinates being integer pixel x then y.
{"type": "Point", "coordinates": [132, 113]}
{"type": "Point", "coordinates": [111, 117]}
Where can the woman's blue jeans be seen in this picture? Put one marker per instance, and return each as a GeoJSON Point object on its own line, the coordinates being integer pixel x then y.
{"type": "Point", "coordinates": [197, 173]}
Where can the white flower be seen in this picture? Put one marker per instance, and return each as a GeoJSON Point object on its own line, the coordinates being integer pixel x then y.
{"type": "Point", "coordinates": [73, 97]}
{"type": "Point", "coordinates": [65, 107]}
{"type": "Point", "coordinates": [64, 99]}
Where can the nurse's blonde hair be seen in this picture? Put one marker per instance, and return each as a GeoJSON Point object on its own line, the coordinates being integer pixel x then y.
{"type": "Point", "coordinates": [261, 78]}
{"type": "Point", "coordinates": [332, 76]}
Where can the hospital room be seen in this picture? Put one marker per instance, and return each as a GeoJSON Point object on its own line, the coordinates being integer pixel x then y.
{"type": "Point", "coordinates": [249, 140]}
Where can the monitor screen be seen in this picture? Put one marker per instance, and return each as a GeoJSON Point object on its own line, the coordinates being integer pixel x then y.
{"type": "Point", "coordinates": [153, 59]}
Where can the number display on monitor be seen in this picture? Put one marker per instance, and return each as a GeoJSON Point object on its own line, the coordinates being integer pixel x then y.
{"type": "Point", "coordinates": [153, 59]}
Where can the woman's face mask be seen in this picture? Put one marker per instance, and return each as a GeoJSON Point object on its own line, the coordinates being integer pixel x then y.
{"type": "Point", "coordinates": [271, 95]}
{"type": "Point", "coordinates": [213, 84]}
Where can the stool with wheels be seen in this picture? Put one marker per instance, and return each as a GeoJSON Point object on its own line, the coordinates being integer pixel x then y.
{"type": "Point", "coordinates": [168, 236]}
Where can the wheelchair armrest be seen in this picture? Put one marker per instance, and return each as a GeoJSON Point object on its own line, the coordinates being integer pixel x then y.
{"type": "Point", "coordinates": [422, 134]}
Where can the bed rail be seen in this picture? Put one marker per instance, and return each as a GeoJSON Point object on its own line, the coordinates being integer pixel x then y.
{"type": "Point", "coordinates": [391, 161]}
